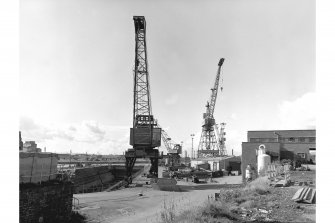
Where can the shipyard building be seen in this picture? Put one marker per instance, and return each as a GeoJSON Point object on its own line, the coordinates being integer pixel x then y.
{"type": "Point", "coordinates": [280, 144]}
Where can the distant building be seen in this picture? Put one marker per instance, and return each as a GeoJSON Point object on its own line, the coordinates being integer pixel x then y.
{"type": "Point", "coordinates": [280, 144]}
{"type": "Point", "coordinates": [31, 147]}
{"type": "Point", "coordinates": [218, 163]}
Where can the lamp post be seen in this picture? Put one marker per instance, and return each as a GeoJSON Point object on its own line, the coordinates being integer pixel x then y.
{"type": "Point", "coordinates": [192, 154]}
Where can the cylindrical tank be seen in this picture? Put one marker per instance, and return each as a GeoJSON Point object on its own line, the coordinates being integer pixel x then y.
{"type": "Point", "coordinates": [263, 160]}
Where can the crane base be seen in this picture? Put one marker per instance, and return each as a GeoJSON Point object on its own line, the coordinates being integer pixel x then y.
{"type": "Point", "coordinates": [132, 154]}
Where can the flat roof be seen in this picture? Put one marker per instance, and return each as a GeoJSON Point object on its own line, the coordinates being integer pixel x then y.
{"type": "Point", "coordinates": [282, 130]}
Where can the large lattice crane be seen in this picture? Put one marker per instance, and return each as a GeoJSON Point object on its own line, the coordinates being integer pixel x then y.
{"type": "Point", "coordinates": [144, 135]}
{"type": "Point", "coordinates": [208, 145]}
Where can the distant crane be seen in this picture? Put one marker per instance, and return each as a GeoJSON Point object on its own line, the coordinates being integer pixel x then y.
{"type": "Point", "coordinates": [208, 145]}
{"type": "Point", "coordinates": [173, 149]}
{"type": "Point", "coordinates": [221, 135]}
{"type": "Point", "coordinates": [145, 135]}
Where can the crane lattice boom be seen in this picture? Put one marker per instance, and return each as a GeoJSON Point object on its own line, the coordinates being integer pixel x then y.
{"type": "Point", "coordinates": [144, 135]}
{"type": "Point", "coordinates": [208, 145]}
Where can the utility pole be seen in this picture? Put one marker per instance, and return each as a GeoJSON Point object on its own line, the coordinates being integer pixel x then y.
{"type": "Point", "coordinates": [192, 154]}
{"type": "Point", "coordinates": [70, 158]}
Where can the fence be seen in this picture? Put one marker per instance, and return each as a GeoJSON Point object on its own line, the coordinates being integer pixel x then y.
{"type": "Point", "coordinates": [278, 170]}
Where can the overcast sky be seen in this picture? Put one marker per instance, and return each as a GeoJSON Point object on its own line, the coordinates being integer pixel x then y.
{"type": "Point", "coordinates": [76, 59]}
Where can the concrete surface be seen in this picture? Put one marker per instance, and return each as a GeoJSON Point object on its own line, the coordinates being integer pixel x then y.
{"type": "Point", "coordinates": [127, 206]}
{"type": "Point", "coordinates": [311, 166]}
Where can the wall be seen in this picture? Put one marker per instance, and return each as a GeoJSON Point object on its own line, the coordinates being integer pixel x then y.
{"type": "Point", "coordinates": [96, 177]}
{"type": "Point", "coordinates": [99, 178]}
{"type": "Point", "coordinates": [224, 163]}
{"type": "Point", "coordinates": [296, 148]}
{"type": "Point", "coordinates": [36, 167]}
{"type": "Point", "coordinates": [51, 201]}
{"type": "Point", "coordinates": [249, 153]}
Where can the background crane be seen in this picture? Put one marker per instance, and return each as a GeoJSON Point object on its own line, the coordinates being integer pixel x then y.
{"type": "Point", "coordinates": [208, 145]}
{"type": "Point", "coordinates": [173, 149]}
{"type": "Point", "coordinates": [221, 136]}
{"type": "Point", "coordinates": [144, 135]}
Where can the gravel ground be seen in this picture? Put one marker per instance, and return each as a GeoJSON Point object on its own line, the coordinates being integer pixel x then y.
{"type": "Point", "coordinates": [126, 205]}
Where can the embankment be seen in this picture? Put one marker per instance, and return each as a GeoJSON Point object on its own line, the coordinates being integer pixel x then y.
{"type": "Point", "coordinates": [99, 178]}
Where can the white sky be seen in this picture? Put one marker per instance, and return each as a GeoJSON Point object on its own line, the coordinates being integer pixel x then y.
{"type": "Point", "coordinates": [76, 59]}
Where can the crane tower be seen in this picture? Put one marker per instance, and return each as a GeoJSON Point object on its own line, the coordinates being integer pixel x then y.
{"type": "Point", "coordinates": [145, 135]}
{"type": "Point", "coordinates": [208, 145]}
{"type": "Point", "coordinates": [221, 134]}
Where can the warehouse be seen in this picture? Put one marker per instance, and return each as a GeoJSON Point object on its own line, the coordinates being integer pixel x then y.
{"type": "Point", "coordinates": [280, 144]}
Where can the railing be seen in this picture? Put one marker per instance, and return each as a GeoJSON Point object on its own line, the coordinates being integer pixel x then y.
{"type": "Point", "coordinates": [75, 203]}
{"type": "Point", "coordinates": [275, 170]}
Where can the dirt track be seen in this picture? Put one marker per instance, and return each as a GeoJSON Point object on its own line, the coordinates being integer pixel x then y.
{"type": "Point", "coordinates": [127, 206]}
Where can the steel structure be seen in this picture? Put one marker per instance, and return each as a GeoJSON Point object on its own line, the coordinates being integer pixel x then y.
{"type": "Point", "coordinates": [221, 135]}
{"type": "Point", "coordinates": [208, 145]}
{"type": "Point", "coordinates": [144, 135]}
{"type": "Point", "coordinates": [173, 149]}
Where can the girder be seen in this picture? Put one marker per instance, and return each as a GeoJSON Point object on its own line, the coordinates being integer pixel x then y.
{"type": "Point", "coordinates": [208, 145]}
{"type": "Point", "coordinates": [144, 135]}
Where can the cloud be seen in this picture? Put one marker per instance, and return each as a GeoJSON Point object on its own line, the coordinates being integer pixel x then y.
{"type": "Point", "coordinates": [87, 136]}
{"type": "Point", "coordinates": [93, 126]}
{"type": "Point", "coordinates": [72, 128]}
{"type": "Point", "coordinates": [173, 99]}
{"type": "Point", "coordinates": [89, 131]}
{"type": "Point", "coordinates": [299, 113]}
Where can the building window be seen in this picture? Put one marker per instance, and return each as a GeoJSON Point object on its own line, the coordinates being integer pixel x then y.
{"type": "Point", "coordinates": [301, 139]}
{"type": "Point", "coordinates": [302, 155]}
{"type": "Point", "coordinates": [291, 139]}
{"type": "Point", "coordinates": [311, 139]}
{"type": "Point", "coordinates": [254, 140]}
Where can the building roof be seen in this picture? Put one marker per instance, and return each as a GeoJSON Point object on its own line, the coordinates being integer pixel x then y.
{"type": "Point", "coordinates": [282, 133]}
{"type": "Point", "coordinates": [282, 130]}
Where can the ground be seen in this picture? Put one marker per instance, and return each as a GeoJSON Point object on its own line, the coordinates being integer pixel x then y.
{"type": "Point", "coordinates": [127, 205]}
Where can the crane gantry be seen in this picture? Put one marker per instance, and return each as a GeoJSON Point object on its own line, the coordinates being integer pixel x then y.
{"type": "Point", "coordinates": [208, 145]}
{"type": "Point", "coordinates": [145, 135]}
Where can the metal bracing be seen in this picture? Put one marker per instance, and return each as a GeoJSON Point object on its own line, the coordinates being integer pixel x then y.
{"type": "Point", "coordinates": [211, 105]}
{"type": "Point", "coordinates": [130, 162]}
{"type": "Point", "coordinates": [154, 166]}
{"type": "Point", "coordinates": [142, 102]}
{"type": "Point", "coordinates": [144, 135]}
{"type": "Point", "coordinates": [208, 145]}
{"type": "Point", "coordinates": [222, 140]}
